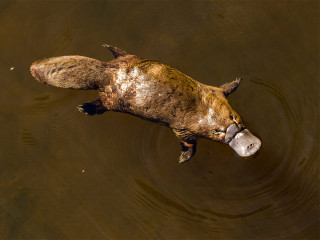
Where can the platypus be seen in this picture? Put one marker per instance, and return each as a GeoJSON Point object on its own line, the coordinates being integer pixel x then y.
{"type": "Point", "coordinates": [156, 92]}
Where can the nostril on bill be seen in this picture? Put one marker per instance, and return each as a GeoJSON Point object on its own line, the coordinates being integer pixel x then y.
{"type": "Point", "coordinates": [250, 146]}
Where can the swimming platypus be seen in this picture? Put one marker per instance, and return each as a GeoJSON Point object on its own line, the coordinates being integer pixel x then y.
{"type": "Point", "coordinates": [156, 92]}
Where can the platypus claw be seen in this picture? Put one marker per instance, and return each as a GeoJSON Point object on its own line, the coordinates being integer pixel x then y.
{"type": "Point", "coordinates": [185, 156]}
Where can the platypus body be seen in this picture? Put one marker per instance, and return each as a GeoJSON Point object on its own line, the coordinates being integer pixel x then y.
{"type": "Point", "coordinates": [156, 92]}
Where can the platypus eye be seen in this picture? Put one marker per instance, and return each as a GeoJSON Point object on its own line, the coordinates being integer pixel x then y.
{"type": "Point", "coordinates": [234, 118]}
{"type": "Point", "coordinates": [217, 131]}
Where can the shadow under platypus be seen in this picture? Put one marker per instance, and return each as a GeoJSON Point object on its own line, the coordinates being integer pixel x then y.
{"type": "Point", "coordinates": [156, 92]}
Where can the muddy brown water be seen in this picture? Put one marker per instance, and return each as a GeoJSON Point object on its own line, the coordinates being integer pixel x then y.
{"type": "Point", "coordinates": [64, 175]}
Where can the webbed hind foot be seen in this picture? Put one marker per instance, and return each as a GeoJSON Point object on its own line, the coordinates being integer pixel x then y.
{"type": "Point", "coordinates": [92, 108]}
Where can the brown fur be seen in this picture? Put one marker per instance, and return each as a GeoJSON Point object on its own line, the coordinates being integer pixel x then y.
{"type": "Point", "coordinates": [148, 89]}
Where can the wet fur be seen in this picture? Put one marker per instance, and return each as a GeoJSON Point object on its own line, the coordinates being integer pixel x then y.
{"type": "Point", "coordinates": [148, 89]}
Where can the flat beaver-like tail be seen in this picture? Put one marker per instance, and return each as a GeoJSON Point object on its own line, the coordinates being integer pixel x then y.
{"type": "Point", "coordinates": [75, 72]}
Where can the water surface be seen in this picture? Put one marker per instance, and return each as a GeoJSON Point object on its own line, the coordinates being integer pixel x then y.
{"type": "Point", "coordinates": [64, 175]}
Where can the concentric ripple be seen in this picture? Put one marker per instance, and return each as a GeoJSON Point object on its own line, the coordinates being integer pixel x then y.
{"type": "Point", "coordinates": [270, 193]}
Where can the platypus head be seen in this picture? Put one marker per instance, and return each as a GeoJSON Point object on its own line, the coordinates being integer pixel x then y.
{"type": "Point", "coordinates": [223, 124]}
{"type": "Point", "coordinates": [75, 72]}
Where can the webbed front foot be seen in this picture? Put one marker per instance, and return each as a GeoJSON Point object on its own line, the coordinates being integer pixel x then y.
{"type": "Point", "coordinates": [231, 86]}
{"type": "Point", "coordinates": [187, 151]}
{"type": "Point", "coordinates": [92, 108]}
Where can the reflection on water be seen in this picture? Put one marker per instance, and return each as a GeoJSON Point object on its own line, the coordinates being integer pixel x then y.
{"type": "Point", "coordinates": [64, 175]}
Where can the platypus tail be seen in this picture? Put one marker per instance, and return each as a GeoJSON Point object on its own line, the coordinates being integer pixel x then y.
{"type": "Point", "coordinates": [75, 72]}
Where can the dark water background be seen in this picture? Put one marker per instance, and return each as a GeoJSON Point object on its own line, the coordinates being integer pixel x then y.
{"type": "Point", "coordinates": [64, 175]}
